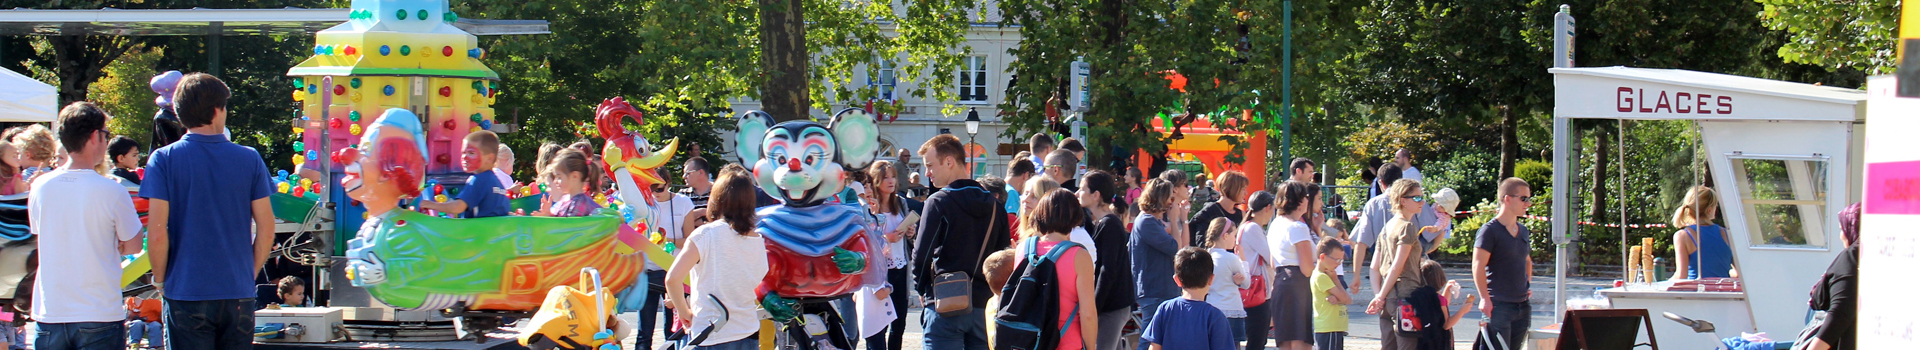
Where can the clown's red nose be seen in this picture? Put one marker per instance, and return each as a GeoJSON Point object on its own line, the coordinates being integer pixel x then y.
{"type": "Point", "coordinates": [793, 164]}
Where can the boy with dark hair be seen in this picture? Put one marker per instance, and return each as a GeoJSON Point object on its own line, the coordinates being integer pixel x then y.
{"type": "Point", "coordinates": [1329, 298]}
{"type": "Point", "coordinates": [292, 291]}
{"type": "Point", "coordinates": [85, 222]}
{"type": "Point", "coordinates": [961, 222]}
{"type": "Point", "coordinates": [484, 195]}
{"type": "Point", "coordinates": [1073, 145]}
{"type": "Point", "coordinates": [125, 155]}
{"type": "Point", "coordinates": [1188, 322]}
{"type": "Point", "coordinates": [1018, 172]}
{"type": "Point", "coordinates": [204, 257]}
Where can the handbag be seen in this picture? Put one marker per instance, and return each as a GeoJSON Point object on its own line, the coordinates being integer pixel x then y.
{"type": "Point", "coordinates": [1257, 294]}
{"type": "Point", "coordinates": [953, 291]}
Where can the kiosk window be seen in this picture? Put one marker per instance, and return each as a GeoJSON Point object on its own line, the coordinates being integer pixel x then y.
{"type": "Point", "coordinates": [1784, 200]}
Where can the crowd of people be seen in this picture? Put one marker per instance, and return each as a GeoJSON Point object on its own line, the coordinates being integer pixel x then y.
{"type": "Point", "coordinates": [1044, 257]}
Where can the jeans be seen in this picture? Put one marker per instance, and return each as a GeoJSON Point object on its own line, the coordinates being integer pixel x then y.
{"type": "Point", "coordinates": [649, 311]}
{"type": "Point", "coordinates": [964, 332]}
{"type": "Point", "coordinates": [1112, 325]}
{"type": "Point", "coordinates": [1330, 341]}
{"type": "Point", "coordinates": [896, 332]}
{"type": "Point", "coordinates": [1148, 307]}
{"type": "Point", "coordinates": [152, 331]}
{"type": "Point", "coordinates": [81, 336]}
{"type": "Point", "coordinates": [1510, 321]}
{"type": "Point", "coordinates": [849, 318]}
{"type": "Point", "coordinates": [748, 343]}
{"type": "Point", "coordinates": [1259, 324]}
{"type": "Point", "coordinates": [210, 324]}
{"type": "Point", "coordinates": [1239, 326]}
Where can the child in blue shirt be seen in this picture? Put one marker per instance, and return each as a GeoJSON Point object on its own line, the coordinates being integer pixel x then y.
{"type": "Point", "coordinates": [484, 195]}
{"type": "Point", "coordinates": [1188, 322]}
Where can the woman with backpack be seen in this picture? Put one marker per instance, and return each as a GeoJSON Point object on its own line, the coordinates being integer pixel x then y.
{"type": "Point", "coordinates": [1398, 263]}
{"type": "Point", "coordinates": [1057, 214]}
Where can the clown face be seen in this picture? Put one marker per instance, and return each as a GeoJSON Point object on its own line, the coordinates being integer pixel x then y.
{"type": "Point", "coordinates": [392, 165]}
{"type": "Point", "coordinates": [801, 165]}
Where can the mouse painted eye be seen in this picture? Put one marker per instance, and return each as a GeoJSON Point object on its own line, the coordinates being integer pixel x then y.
{"type": "Point", "coordinates": [812, 158]}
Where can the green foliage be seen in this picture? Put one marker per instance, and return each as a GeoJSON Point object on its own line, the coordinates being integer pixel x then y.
{"type": "Point", "coordinates": [1536, 173]}
{"type": "Point", "coordinates": [1380, 139]}
{"type": "Point", "coordinates": [124, 93]}
{"type": "Point", "coordinates": [1836, 34]}
{"type": "Point", "coordinates": [1460, 241]}
{"type": "Point", "coordinates": [1471, 172]}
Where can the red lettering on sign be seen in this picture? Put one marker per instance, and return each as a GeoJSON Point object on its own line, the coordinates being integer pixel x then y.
{"type": "Point", "coordinates": [1663, 104]}
{"type": "Point", "coordinates": [1726, 104]}
{"type": "Point", "coordinates": [1643, 101]}
{"type": "Point", "coordinates": [1682, 102]}
{"type": "Point", "coordinates": [1623, 99]}
{"type": "Point", "coordinates": [1701, 106]}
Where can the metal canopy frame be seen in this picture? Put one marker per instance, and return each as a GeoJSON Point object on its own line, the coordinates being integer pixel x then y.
{"type": "Point", "coordinates": [205, 21]}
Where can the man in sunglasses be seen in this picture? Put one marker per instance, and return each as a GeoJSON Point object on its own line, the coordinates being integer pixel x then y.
{"type": "Point", "coordinates": [1502, 268]}
{"type": "Point", "coordinates": [85, 222]}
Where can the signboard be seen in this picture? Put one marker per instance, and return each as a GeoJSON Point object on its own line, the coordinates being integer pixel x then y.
{"type": "Point", "coordinates": [1640, 93]}
{"type": "Point", "coordinates": [1888, 245]}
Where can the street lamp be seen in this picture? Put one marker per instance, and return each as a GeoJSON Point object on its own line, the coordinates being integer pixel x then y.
{"type": "Point", "coordinates": [973, 128]}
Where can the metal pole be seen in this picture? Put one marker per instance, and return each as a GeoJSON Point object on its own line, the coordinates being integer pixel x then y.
{"type": "Point", "coordinates": [213, 47]}
{"type": "Point", "coordinates": [1286, 81]}
{"type": "Point", "coordinates": [1562, 146]}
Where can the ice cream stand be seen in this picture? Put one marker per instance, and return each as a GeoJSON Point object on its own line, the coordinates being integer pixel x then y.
{"type": "Point", "coordinates": [1784, 158]}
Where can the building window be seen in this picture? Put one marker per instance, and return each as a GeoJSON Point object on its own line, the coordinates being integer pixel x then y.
{"type": "Point", "coordinates": [973, 79]}
{"type": "Point", "coordinates": [883, 81]}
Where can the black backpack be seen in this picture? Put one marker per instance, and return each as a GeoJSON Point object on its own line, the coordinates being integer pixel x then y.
{"type": "Point", "coordinates": [1029, 315]}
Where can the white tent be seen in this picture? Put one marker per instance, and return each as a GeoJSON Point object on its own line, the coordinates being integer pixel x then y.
{"type": "Point", "coordinates": [23, 99]}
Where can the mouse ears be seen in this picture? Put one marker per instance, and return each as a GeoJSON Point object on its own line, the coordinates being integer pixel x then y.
{"type": "Point", "coordinates": [753, 126]}
{"type": "Point", "coordinates": [858, 135]}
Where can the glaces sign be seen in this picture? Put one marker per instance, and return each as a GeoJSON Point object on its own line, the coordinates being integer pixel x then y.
{"type": "Point", "coordinates": [1631, 100]}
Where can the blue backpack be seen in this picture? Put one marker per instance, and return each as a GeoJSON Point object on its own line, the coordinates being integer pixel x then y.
{"type": "Point", "coordinates": [1029, 316]}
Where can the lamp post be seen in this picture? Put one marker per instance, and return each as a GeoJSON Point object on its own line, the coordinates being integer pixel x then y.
{"type": "Point", "coordinates": [973, 128]}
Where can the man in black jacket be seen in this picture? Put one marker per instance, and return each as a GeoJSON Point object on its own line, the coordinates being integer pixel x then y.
{"type": "Point", "coordinates": [960, 224]}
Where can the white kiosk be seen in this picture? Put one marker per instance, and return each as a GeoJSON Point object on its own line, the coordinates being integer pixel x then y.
{"type": "Point", "coordinates": [1785, 158]}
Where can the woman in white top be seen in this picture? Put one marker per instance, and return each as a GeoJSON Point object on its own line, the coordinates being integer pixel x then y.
{"type": "Point", "coordinates": [1292, 240]}
{"type": "Point", "coordinates": [1229, 275]}
{"type": "Point", "coordinates": [1254, 254]}
{"type": "Point", "coordinates": [1042, 184]}
{"type": "Point", "coordinates": [722, 315]}
{"type": "Point", "coordinates": [890, 208]}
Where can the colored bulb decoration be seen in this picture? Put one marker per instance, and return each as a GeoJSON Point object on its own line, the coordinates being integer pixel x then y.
{"type": "Point", "coordinates": [478, 99]}
{"type": "Point", "coordinates": [299, 83]}
{"type": "Point", "coordinates": [447, 124]}
{"type": "Point", "coordinates": [438, 190]}
{"type": "Point", "coordinates": [446, 51]}
{"type": "Point", "coordinates": [299, 192]}
{"type": "Point", "coordinates": [406, 50]}
{"type": "Point", "coordinates": [299, 159]}
{"type": "Point", "coordinates": [446, 91]}
{"type": "Point", "coordinates": [493, 85]}
{"type": "Point", "coordinates": [387, 90]}
{"type": "Point", "coordinates": [475, 128]}
{"type": "Point", "coordinates": [306, 182]}
{"type": "Point", "coordinates": [298, 147]}
{"type": "Point", "coordinates": [475, 117]}
{"type": "Point", "coordinates": [449, 17]}
{"type": "Point", "coordinates": [477, 86]}
{"type": "Point", "coordinates": [299, 130]}
{"type": "Point", "coordinates": [355, 83]}
{"type": "Point", "coordinates": [440, 198]}
{"type": "Point", "coordinates": [486, 125]}
{"type": "Point", "coordinates": [339, 89]}
{"type": "Point", "coordinates": [422, 14]}
{"type": "Point", "coordinates": [476, 53]}
{"type": "Point", "coordinates": [313, 89]}
{"type": "Point", "coordinates": [353, 116]}
{"type": "Point", "coordinates": [355, 130]}
{"type": "Point", "coordinates": [336, 123]}
{"type": "Point", "coordinates": [284, 187]}
{"type": "Point", "coordinates": [319, 49]}
{"type": "Point", "coordinates": [313, 154]}
{"type": "Point", "coordinates": [400, 15]}
{"type": "Point", "coordinates": [350, 51]}
{"type": "Point", "coordinates": [283, 173]}
{"type": "Point", "coordinates": [355, 96]}
{"type": "Point", "coordinates": [384, 50]}
{"type": "Point", "coordinates": [298, 96]}
{"type": "Point", "coordinates": [443, 159]}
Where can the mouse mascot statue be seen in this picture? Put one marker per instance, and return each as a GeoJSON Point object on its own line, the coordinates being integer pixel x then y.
{"type": "Point", "coordinates": [818, 248]}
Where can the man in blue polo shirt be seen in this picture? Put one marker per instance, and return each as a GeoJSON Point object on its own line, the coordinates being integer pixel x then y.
{"type": "Point", "coordinates": [210, 225]}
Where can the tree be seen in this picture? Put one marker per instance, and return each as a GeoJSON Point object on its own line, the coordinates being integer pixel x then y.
{"type": "Point", "coordinates": [1856, 34]}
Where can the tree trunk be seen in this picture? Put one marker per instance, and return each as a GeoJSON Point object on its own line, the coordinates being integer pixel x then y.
{"type": "Point", "coordinates": [81, 60]}
{"type": "Point", "coordinates": [1603, 143]}
{"type": "Point", "coordinates": [1509, 141]}
{"type": "Point", "coordinates": [783, 60]}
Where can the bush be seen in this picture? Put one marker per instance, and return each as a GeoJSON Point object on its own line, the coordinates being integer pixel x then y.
{"type": "Point", "coordinates": [1472, 172]}
{"type": "Point", "coordinates": [1539, 174]}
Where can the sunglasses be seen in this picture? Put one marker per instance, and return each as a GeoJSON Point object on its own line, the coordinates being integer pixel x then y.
{"type": "Point", "coordinates": [1524, 199]}
{"type": "Point", "coordinates": [1416, 199]}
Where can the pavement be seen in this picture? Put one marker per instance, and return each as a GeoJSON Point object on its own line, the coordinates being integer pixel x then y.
{"type": "Point", "coordinates": [1364, 330]}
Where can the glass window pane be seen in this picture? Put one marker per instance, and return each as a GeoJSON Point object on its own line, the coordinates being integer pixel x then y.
{"type": "Point", "coordinates": [1784, 200]}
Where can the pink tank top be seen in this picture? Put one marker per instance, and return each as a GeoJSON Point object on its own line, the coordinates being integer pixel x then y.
{"type": "Point", "coordinates": [1069, 277]}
